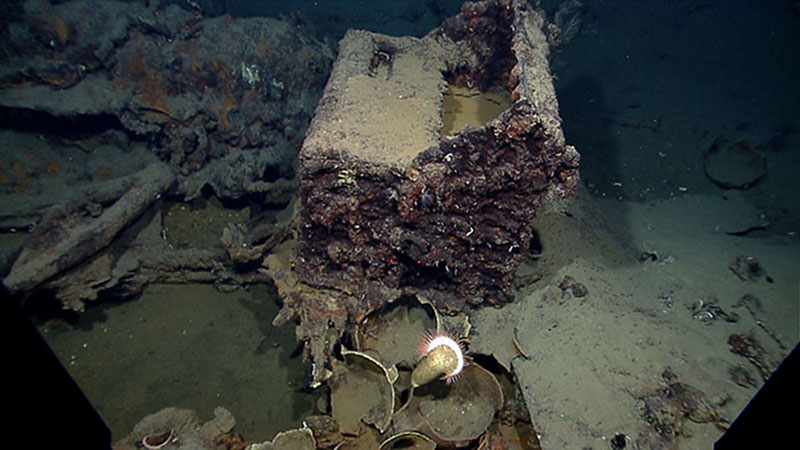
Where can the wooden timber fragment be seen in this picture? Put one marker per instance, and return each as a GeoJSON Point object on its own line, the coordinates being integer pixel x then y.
{"type": "Point", "coordinates": [391, 207]}
{"type": "Point", "coordinates": [67, 236]}
{"type": "Point", "coordinates": [141, 254]}
{"type": "Point", "coordinates": [138, 256]}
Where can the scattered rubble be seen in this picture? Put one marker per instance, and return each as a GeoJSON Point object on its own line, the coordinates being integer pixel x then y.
{"type": "Point", "coordinates": [707, 311]}
{"type": "Point", "coordinates": [742, 377]}
{"type": "Point", "coordinates": [569, 286]}
{"type": "Point", "coordinates": [667, 406]}
{"type": "Point", "coordinates": [747, 268]}
{"type": "Point", "coordinates": [753, 305]}
{"type": "Point", "coordinates": [173, 428]}
{"type": "Point", "coordinates": [746, 345]}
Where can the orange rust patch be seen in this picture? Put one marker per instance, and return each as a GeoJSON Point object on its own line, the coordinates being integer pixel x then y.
{"type": "Point", "coordinates": [4, 179]}
{"type": "Point", "coordinates": [19, 170]}
{"type": "Point", "coordinates": [57, 81]}
{"type": "Point", "coordinates": [53, 168]}
{"type": "Point", "coordinates": [52, 23]}
{"type": "Point", "coordinates": [13, 85]}
{"type": "Point", "coordinates": [263, 45]}
{"type": "Point", "coordinates": [104, 173]}
{"type": "Point", "coordinates": [198, 73]}
{"type": "Point", "coordinates": [149, 80]}
{"type": "Point", "coordinates": [60, 29]}
{"type": "Point", "coordinates": [153, 91]}
{"type": "Point", "coordinates": [224, 75]}
{"type": "Point", "coordinates": [120, 84]}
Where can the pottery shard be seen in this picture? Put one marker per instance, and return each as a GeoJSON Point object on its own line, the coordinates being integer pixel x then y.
{"type": "Point", "coordinates": [181, 423]}
{"type": "Point", "coordinates": [456, 414]}
{"type": "Point", "coordinates": [733, 165]}
{"type": "Point", "coordinates": [361, 393]}
{"type": "Point", "coordinates": [296, 439]}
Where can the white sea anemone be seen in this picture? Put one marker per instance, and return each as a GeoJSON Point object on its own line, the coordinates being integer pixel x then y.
{"type": "Point", "coordinates": [442, 356]}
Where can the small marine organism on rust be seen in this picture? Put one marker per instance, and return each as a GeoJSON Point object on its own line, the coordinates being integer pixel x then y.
{"type": "Point", "coordinates": [427, 200]}
{"type": "Point", "coordinates": [346, 177]}
{"type": "Point", "coordinates": [391, 194]}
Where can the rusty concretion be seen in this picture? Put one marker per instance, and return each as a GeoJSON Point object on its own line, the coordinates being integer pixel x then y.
{"type": "Point", "coordinates": [390, 205]}
{"type": "Point", "coordinates": [228, 96]}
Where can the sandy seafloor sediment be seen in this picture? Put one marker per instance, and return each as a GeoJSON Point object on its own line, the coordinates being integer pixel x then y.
{"type": "Point", "coordinates": [591, 358]}
{"type": "Point", "coordinates": [188, 346]}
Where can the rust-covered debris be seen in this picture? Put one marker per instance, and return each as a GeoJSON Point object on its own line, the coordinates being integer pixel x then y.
{"type": "Point", "coordinates": [109, 108]}
{"type": "Point", "coordinates": [391, 207]}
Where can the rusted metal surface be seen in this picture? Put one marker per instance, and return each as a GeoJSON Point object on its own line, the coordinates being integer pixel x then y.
{"type": "Point", "coordinates": [108, 107]}
{"type": "Point", "coordinates": [220, 100]}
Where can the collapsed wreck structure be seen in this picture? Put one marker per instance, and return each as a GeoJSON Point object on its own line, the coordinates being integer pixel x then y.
{"type": "Point", "coordinates": [109, 110]}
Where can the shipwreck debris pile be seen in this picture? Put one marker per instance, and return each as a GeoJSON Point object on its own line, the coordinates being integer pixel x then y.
{"type": "Point", "coordinates": [390, 206]}
{"type": "Point", "coordinates": [393, 205]}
